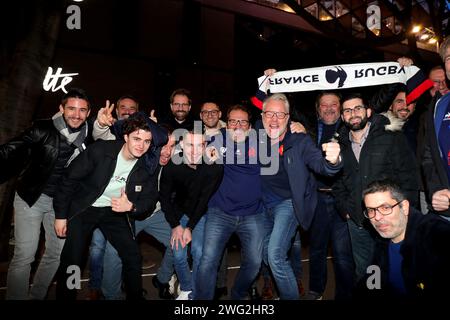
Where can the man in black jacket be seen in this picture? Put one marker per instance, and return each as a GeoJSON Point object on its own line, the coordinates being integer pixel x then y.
{"type": "Point", "coordinates": [372, 149]}
{"type": "Point", "coordinates": [40, 156]}
{"type": "Point", "coordinates": [328, 225]}
{"type": "Point", "coordinates": [186, 185]}
{"type": "Point", "coordinates": [414, 255]}
{"type": "Point", "coordinates": [101, 188]}
{"type": "Point", "coordinates": [436, 159]}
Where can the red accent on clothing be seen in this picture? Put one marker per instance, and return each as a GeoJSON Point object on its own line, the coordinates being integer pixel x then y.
{"type": "Point", "coordinates": [281, 150]}
{"type": "Point", "coordinates": [418, 91]}
{"type": "Point", "coordinates": [256, 102]}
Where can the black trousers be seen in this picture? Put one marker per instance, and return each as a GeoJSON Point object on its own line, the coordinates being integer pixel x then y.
{"type": "Point", "coordinates": [116, 229]}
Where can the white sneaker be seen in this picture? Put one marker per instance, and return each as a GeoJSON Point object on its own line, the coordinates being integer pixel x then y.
{"type": "Point", "coordinates": [172, 283]}
{"type": "Point", "coordinates": [184, 295]}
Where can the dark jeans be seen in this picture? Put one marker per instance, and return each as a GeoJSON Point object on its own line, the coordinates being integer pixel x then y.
{"type": "Point", "coordinates": [218, 229]}
{"type": "Point", "coordinates": [117, 231]}
{"type": "Point", "coordinates": [326, 226]}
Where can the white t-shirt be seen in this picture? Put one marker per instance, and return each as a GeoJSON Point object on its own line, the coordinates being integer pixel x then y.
{"type": "Point", "coordinates": [118, 181]}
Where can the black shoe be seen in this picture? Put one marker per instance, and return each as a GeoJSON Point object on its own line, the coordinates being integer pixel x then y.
{"type": "Point", "coordinates": [253, 293]}
{"type": "Point", "coordinates": [163, 289]}
{"type": "Point", "coordinates": [220, 292]}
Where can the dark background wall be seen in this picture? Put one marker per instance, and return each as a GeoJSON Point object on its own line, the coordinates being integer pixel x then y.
{"type": "Point", "coordinates": [148, 48]}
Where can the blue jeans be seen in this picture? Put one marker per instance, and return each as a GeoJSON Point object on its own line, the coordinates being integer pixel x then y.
{"type": "Point", "coordinates": [295, 259]}
{"type": "Point", "coordinates": [280, 225]}
{"type": "Point", "coordinates": [96, 255]}
{"type": "Point", "coordinates": [156, 226]}
{"type": "Point", "coordinates": [295, 256]}
{"type": "Point", "coordinates": [218, 229]}
{"type": "Point", "coordinates": [363, 247]}
{"type": "Point", "coordinates": [326, 226]}
{"type": "Point", "coordinates": [180, 256]}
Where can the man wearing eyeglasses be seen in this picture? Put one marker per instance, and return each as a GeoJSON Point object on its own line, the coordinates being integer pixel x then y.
{"type": "Point", "coordinates": [180, 106]}
{"type": "Point", "coordinates": [210, 115]}
{"type": "Point", "coordinates": [437, 75]}
{"type": "Point", "coordinates": [235, 207]}
{"type": "Point", "coordinates": [371, 150]}
{"type": "Point", "coordinates": [414, 254]}
{"type": "Point", "coordinates": [289, 194]}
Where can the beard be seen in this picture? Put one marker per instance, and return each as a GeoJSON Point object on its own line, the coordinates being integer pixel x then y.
{"type": "Point", "coordinates": [180, 115]}
{"type": "Point", "coordinates": [356, 126]}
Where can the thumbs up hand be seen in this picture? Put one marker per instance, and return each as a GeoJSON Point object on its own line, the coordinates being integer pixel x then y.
{"type": "Point", "coordinates": [121, 204]}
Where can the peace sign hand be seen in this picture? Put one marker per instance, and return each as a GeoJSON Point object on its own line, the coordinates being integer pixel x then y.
{"type": "Point", "coordinates": [104, 116]}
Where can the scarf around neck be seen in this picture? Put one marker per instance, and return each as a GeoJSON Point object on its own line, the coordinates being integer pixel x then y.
{"type": "Point", "coordinates": [72, 138]}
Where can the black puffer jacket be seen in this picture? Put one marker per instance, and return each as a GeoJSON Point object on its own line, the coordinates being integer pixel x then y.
{"type": "Point", "coordinates": [32, 155]}
{"type": "Point", "coordinates": [385, 154]}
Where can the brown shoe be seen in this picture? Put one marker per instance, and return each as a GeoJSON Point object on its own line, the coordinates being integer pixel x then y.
{"type": "Point", "coordinates": [301, 288]}
{"type": "Point", "coordinates": [94, 294]}
{"type": "Point", "coordinates": [267, 291]}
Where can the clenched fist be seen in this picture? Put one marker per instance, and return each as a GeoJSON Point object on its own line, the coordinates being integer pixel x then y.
{"type": "Point", "coordinates": [332, 151]}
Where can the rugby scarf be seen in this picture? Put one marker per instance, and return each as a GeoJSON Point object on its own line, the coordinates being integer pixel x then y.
{"type": "Point", "coordinates": [343, 77]}
{"type": "Point", "coordinates": [75, 138]}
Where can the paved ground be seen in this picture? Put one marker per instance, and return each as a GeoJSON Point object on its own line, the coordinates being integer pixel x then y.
{"type": "Point", "coordinates": [152, 254]}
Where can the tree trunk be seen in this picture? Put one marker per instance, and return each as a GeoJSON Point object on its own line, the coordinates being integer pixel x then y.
{"type": "Point", "coordinates": [26, 53]}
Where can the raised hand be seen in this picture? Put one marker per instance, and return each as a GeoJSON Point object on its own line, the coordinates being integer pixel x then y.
{"type": "Point", "coordinates": [121, 204]}
{"type": "Point", "coordinates": [404, 62]}
{"type": "Point", "coordinates": [269, 72]}
{"type": "Point", "coordinates": [332, 151]}
{"type": "Point", "coordinates": [153, 117]}
{"type": "Point", "coordinates": [211, 154]}
{"type": "Point", "coordinates": [104, 115]}
{"type": "Point", "coordinates": [297, 127]}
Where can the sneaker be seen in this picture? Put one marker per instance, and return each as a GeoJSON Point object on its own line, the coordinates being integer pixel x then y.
{"type": "Point", "coordinates": [312, 295]}
{"type": "Point", "coordinates": [94, 294]}
{"type": "Point", "coordinates": [184, 295]}
{"type": "Point", "coordinates": [172, 283]}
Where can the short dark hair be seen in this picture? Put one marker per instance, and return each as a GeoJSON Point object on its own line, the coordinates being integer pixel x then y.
{"type": "Point", "coordinates": [241, 108]}
{"type": "Point", "coordinates": [181, 92]}
{"type": "Point", "coordinates": [385, 185]}
{"type": "Point", "coordinates": [135, 122]}
{"type": "Point", "coordinates": [353, 95]}
{"type": "Point", "coordinates": [327, 93]}
{"type": "Point", "coordinates": [75, 93]}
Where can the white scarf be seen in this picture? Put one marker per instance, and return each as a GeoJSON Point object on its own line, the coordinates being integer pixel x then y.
{"type": "Point", "coordinates": [344, 76]}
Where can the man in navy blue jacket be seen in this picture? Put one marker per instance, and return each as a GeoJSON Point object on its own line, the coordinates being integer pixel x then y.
{"type": "Point", "coordinates": [290, 192]}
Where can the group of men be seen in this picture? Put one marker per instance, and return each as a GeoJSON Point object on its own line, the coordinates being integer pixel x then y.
{"type": "Point", "coordinates": [352, 181]}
